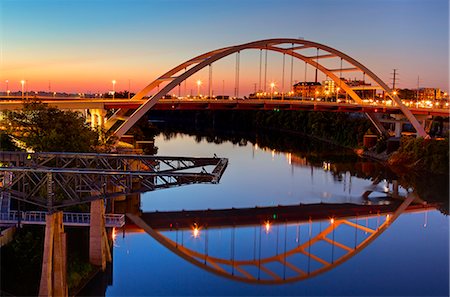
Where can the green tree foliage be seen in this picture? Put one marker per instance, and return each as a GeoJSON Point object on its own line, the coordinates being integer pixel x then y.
{"type": "Point", "coordinates": [6, 143]}
{"type": "Point", "coordinates": [428, 154]}
{"type": "Point", "coordinates": [44, 128]}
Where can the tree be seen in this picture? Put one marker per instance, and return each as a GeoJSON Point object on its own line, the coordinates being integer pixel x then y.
{"type": "Point", "coordinates": [44, 128]}
{"type": "Point", "coordinates": [6, 143]}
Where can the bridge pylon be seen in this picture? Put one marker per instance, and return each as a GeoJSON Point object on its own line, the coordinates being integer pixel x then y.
{"type": "Point", "coordinates": [99, 251]}
{"type": "Point", "coordinates": [54, 261]}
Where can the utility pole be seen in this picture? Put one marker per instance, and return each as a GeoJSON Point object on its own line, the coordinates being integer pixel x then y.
{"type": "Point", "coordinates": [417, 91]}
{"type": "Point", "coordinates": [394, 79]}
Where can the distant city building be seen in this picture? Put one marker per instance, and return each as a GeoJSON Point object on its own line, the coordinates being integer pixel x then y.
{"type": "Point", "coordinates": [358, 87]}
{"type": "Point", "coordinates": [329, 87]}
{"type": "Point", "coordinates": [307, 89]}
{"type": "Point", "coordinates": [430, 94]}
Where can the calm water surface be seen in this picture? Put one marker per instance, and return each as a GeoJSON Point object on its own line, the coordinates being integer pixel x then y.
{"type": "Point", "coordinates": [410, 258]}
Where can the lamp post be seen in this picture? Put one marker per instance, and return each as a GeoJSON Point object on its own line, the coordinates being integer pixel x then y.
{"type": "Point", "coordinates": [114, 88]}
{"type": "Point", "coordinates": [22, 82]}
{"type": "Point", "coordinates": [199, 83]}
{"type": "Point", "coordinates": [272, 85]}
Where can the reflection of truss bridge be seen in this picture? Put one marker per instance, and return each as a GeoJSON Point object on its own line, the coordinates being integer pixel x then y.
{"type": "Point", "coordinates": [60, 179]}
{"type": "Point", "coordinates": [282, 252]}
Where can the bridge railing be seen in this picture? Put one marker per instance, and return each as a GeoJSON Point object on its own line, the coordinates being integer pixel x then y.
{"type": "Point", "coordinates": [69, 218]}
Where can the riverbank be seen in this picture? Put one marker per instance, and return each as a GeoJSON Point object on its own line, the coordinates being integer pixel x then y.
{"type": "Point", "coordinates": [340, 129]}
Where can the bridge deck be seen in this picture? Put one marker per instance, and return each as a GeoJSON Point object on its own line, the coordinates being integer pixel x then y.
{"type": "Point", "coordinates": [260, 215]}
{"type": "Point", "coordinates": [222, 104]}
{"type": "Point", "coordinates": [69, 218]}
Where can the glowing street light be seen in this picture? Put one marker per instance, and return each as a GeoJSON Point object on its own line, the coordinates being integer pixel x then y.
{"type": "Point", "coordinates": [114, 88]}
{"type": "Point", "coordinates": [196, 231]}
{"type": "Point", "coordinates": [267, 226]}
{"type": "Point", "coordinates": [272, 85]}
{"type": "Point", "coordinates": [22, 82]}
{"type": "Point", "coordinates": [199, 83]}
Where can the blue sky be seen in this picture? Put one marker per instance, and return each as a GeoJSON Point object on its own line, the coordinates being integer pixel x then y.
{"type": "Point", "coordinates": [82, 45]}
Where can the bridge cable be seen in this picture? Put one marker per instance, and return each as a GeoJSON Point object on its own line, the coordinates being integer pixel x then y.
{"type": "Point", "coordinates": [185, 93]}
{"type": "Point", "coordinates": [265, 72]}
{"type": "Point", "coordinates": [278, 231]}
{"type": "Point", "coordinates": [232, 249]}
{"type": "Point", "coordinates": [291, 88]}
{"type": "Point", "coordinates": [304, 85]}
{"type": "Point", "coordinates": [284, 253]}
{"type": "Point", "coordinates": [282, 79]}
{"type": "Point", "coordinates": [206, 244]}
{"type": "Point", "coordinates": [254, 244]}
{"type": "Point", "coordinates": [332, 247]}
{"type": "Point", "coordinates": [259, 252]}
{"type": "Point", "coordinates": [309, 246]}
{"type": "Point", "coordinates": [210, 82]}
{"type": "Point", "coordinates": [236, 82]}
{"type": "Point", "coordinates": [260, 69]}
{"type": "Point", "coordinates": [317, 64]}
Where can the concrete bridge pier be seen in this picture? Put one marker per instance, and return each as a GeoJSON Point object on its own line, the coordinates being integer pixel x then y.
{"type": "Point", "coordinates": [99, 252]}
{"type": "Point", "coordinates": [98, 118]}
{"type": "Point", "coordinates": [54, 261]}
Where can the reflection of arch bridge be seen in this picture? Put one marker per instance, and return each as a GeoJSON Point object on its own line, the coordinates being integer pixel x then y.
{"type": "Point", "coordinates": [343, 237]}
{"type": "Point", "coordinates": [125, 118]}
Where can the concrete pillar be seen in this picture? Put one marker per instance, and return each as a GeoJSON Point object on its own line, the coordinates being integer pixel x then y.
{"type": "Point", "coordinates": [398, 129]}
{"type": "Point", "coordinates": [54, 260]}
{"type": "Point", "coordinates": [99, 251]}
{"type": "Point", "coordinates": [98, 118]}
{"type": "Point", "coordinates": [93, 119]}
{"type": "Point", "coordinates": [395, 188]}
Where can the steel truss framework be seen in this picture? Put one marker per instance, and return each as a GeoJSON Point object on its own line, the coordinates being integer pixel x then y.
{"type": "Point", "coordinates": [262, 271]}
{"type": "Point", "coordinates": [54, 180]}
{"type": "Point", "coordinates": [126, 118]}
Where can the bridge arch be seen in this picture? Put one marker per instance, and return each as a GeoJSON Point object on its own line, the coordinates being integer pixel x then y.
{"type": "Point", "coordinates": [248, 270]}
{"type": "Point", "coordinates": [204, 60]}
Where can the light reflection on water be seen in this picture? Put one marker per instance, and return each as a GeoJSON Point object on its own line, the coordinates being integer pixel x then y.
{"type": "Point", "coordinates": [415, 246]}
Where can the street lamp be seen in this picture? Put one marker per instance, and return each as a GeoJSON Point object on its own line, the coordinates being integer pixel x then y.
{"type": "Point", "coordinates": [199, 83]}
{"type": "Point", "coordinates": [272, 85]}
{"type": "Point", "coordinates": [22, 82]}
{"type": "Point", "coordinates": [114, 88]}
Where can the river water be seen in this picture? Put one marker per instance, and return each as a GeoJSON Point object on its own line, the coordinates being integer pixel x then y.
{"type": "Point", "coordinates": [376, 255]}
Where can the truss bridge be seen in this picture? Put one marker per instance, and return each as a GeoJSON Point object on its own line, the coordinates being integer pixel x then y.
{"type": "Point", "coordinates": [55, 180]}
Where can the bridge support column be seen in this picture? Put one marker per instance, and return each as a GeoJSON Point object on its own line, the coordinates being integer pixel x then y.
{"type": "Point", "coordinates": [54, 260]}
{"type": "Point", "coordinates": [395, 188]}
{"type": "Point", "coordinates": [98, 118]}
{"type": "Point", "coordinates": [398, 129]}
{"type": "Point", "coordinates": [99, 251]}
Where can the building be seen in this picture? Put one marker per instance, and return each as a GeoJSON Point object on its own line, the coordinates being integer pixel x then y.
{"type": "Point", "coordinates": [307, 89]}
{"type": "Point", "coordinates": [430, 94]}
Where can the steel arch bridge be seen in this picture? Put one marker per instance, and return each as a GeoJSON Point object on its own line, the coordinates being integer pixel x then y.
{"type": "Point", "coordinates": [124, 118]}
{"type": "Point", "coordinates": [263, 270]}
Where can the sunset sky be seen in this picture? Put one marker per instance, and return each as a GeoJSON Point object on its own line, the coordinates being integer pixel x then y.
{"type": "Point", "coordinates": [82, 45]}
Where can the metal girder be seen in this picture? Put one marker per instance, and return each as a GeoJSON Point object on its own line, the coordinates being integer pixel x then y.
{"type": "Point", "coordinates": [54, 180]}
{"type": "Point", "coordinates": [326, 56]}
{"type": "Point", "coordinates": [353, 69]}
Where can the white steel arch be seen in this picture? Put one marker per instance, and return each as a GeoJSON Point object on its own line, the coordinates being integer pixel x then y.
{"type": "Point", "coordinates": [242, 272]}
{"type": "Point", "coordinates": [194, 65]}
